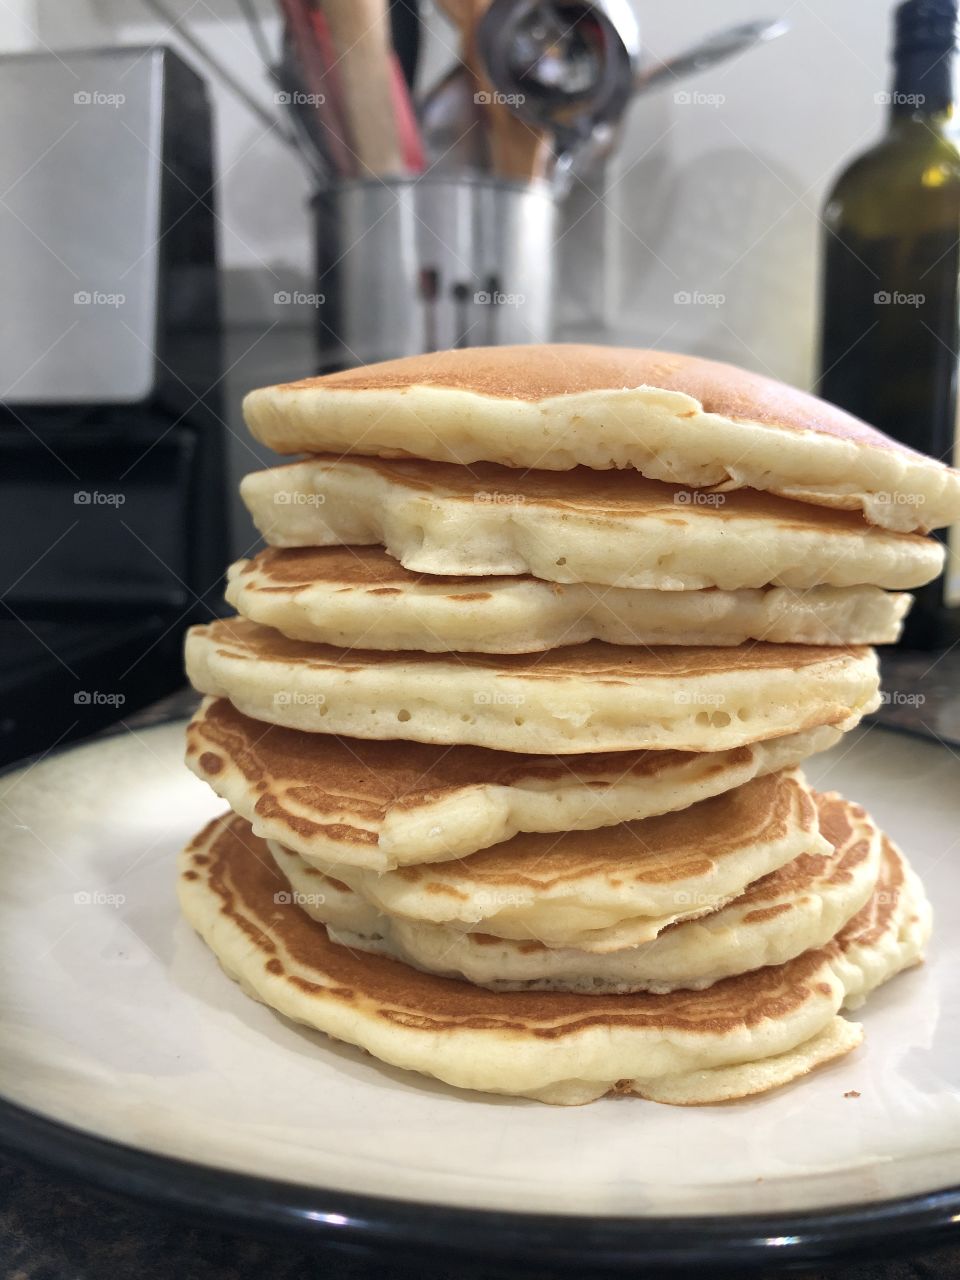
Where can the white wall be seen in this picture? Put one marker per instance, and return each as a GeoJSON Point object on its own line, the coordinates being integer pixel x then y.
{"type": "Point", "coordinates": [704, 199]}
{"type": "Point", "coordinates": [725, 199]}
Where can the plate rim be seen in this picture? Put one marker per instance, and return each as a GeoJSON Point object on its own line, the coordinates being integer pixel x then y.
{"type": "Point", "coordinates": [327, 1215]}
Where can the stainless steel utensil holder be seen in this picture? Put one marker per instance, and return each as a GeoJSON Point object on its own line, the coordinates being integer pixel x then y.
{"type": "Point", "coordinates": [423, 264]}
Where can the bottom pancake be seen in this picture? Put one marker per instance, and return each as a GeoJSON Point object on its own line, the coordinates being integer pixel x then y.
{"type": "Point", "coordinates": [743, 1035]}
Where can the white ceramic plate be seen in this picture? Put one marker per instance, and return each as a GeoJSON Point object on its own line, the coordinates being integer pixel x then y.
{"type": "Point", "coordinates": [115, 1020]}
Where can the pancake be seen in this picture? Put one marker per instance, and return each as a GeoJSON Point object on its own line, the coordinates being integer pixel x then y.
{"type": "Point", "coordinates": [605, 890]}
{"type": "Point", "coordinates": [676, 418]}
{"type": "Point", "coordinates": [888, 934]}
{"type": "Point", "coordinates": [582, 698]}
{"type": "Point", "coordinates": [383, 804]}
{"type": "Point", "coordinates": [615, 528]}
{"type": "Point", "coordinates": [361, 596]}
{"type": "Point", "coordinates": [797, 908]}
{"type": "Point", "coordinates": [742, 1036]}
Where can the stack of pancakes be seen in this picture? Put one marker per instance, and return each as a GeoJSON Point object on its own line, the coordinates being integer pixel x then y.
{"type": "Point", "coordinates": [512, 717]}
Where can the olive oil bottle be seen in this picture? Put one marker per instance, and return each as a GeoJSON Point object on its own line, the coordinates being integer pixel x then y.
{"type": "Point", "coordinates": [890, 297]}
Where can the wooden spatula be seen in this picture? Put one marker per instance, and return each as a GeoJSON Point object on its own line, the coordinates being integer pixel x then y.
{"type": "Point", "coordinates": [517, 150]}
{"type": "Point", "coordinates": [360, 30]}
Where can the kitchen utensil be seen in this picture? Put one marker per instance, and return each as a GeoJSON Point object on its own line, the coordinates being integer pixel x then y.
{"type": "Point", "coordinates": [458, 12]}
{"type": "Point", "coordinates": [451, 124]}
{"type": "Point", "coordinates": [572, 68]}
{"type": "Point", "coordinates": [408, 129]}
{"type": "Point", "coordinates": [257, 33]}
{"type": "Point", "coordinates": [710, 51]}
{"type": "Point", "coordinates": [284, 79]}
{"type": "Point", "coordinates": [405, 31]}
{"type": "Point", "coordinates": [519, 148]}
{"type": "Point", "coordinates": [315, 61]}
{"type": "Point", "coordinates": [302, 116]}
{"type": "Point", "coordinates": [360, 31]}
{"type": "Point", "coordinates": [561, 67]}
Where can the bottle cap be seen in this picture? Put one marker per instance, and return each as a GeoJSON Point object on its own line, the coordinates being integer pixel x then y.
{"type": "Point", "coordinates": [925, 25]}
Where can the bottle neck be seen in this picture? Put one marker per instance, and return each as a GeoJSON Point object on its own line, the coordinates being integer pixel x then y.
{"type": "Point", "coordinates": [926, 89]}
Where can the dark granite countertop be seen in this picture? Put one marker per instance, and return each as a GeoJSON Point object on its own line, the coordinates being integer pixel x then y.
{"type": "Point", "coordinates": [55, 1229]}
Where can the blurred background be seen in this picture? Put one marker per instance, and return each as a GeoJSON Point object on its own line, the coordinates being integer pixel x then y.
{"type": "Point", "coordinates": [719, 194]}
{"type": "Point", "coordinates": [180, 222]}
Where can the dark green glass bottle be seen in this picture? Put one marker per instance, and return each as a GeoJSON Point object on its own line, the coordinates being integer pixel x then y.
{"type": "Point", "coordinates": [890, 297]}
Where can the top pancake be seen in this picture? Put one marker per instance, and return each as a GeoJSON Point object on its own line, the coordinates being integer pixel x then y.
{"type": "Point", "coordinates": [673, 417]}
